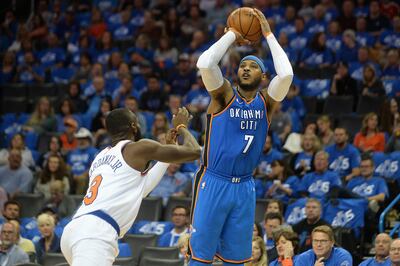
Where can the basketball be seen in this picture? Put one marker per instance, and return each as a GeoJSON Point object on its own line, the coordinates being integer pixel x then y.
{"type": "Point", "coordinates": [244, 21]}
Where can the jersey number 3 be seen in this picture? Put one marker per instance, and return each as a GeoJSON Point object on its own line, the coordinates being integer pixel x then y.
{"type": "Point", "coordinates": [93, 190]}
{"type": "Point", "coordinates": [249, 139]}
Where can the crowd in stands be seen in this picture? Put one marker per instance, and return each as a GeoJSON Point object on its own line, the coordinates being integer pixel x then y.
{"type": "Point", "coordinates": [323, 166]}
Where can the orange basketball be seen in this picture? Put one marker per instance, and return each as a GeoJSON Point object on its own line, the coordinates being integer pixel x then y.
{"type": "Point", "coordinates": [244, 21]}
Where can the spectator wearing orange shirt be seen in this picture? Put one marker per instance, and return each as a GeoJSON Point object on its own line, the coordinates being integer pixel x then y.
{"type": "Point", "coordinates": [369, 138]}
{"type": "Point", "coordinates": [68, 140]}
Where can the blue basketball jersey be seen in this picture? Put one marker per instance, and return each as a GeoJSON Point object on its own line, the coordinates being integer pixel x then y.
{"type": "Point", "coordinates": [235, 136]}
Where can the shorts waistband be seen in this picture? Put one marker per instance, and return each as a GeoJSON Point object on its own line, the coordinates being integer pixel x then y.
{"type": "Point", "coordinates": [104, 216]}
{"type": "Point", "coordinates": [230, 178]}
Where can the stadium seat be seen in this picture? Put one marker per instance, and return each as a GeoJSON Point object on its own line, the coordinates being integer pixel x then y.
{"type": "Point", "coordinates": [150, 209]}
{"type": "Point", "coordinates": [14, 90]}
{"type": "Point", "coordinates": [14, 104]}
{"type": "Point", "coordinates": [124, 250]}
{"type": "Point", "coordinates": [51, 259]}
{"type": "Point", "coordinates": [175, 201]}
{"type": "Point", "coordinates": [38, 90]}
{"type": "Point", "coordinates": [161, 262]}
{"type": "Point", "coordinates": [310, 104]}
{"type": "Point", "coordinates": [138, 242]}
{"type": "Point", "coordinates": [369, 104]}
{"type": "Point", "coordinates": [124, 262]}
{"type": "Point", "coordinates": [31, 203]}
{"type": "Point", "coordinates": [351, 122]}
{"type": "Point", "coordinates": [169, 253]}
{"type": "Point", "coordinates": [337, 105]}
{"type": "Point", "coordinates": [261, 206]}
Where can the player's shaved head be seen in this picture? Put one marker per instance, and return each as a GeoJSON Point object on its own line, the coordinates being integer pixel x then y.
{"type": "Point", "coordinates": [121, 122]}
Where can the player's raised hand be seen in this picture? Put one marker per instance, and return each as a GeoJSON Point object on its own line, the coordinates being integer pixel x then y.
{"type": "Point", "coordinates": [266, 29]}
{"type": "Point", "coordinates": [182, 117]}
{"type": "Point", "coordinates": [239, 38]}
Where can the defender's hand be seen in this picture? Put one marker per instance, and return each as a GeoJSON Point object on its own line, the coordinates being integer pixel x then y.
{"type": "Point", "coordinates": [182, 117]}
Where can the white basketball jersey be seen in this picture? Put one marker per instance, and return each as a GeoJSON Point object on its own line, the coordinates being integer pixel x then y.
{"type": "Point", "coordinates": [114, 187]}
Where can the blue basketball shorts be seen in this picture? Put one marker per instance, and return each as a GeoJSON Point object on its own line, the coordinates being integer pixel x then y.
{"type": "Point", "coordinates": [223, 209]}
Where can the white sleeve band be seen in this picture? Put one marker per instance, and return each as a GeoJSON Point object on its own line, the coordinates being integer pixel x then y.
{"type": "Point", "coordinates": [153, 177]}
{"type": "Point", "coordinates": [279, 85]}
{"type": "Point", "coordinates": [208, 62]}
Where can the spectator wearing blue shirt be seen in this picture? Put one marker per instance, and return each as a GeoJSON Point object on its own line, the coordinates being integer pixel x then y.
{"type": "Point", "coordinates": [95, 93]}
{"type": "Point", "coordinates": [317, 184]}
{"type": "Point", "coordinates": [298, 40]}
{"type": "Point", "coordinates": [382, 247]}
{"type": "Point", "coordinates": [80, 160]}
{"type": "Point", "coordinates": [132, 104]}
{"type": "Point", "coordinates": [268, 155]}
{"type": "Point", "coordinates": [287, 25]}
{"type": "Point", "coordinates": [29, 72]}
{"type": "Point", "coordinates": [122, 92]}
{"type": "Point", "coordinates": [15, 177]}
{"type": "Point", "coordinates": [363, 37]}
{"type": "Point", "coordinates": [334, 38]}
{"type": "Point", "coordinates": [317, 23]}
{"type": "Point", "coordinates": [394, 252]}
{"type": "Point", "coordinates": [391, 38]}
{"type": "Point", "coordinates": [363, 59]}
{"type": "Point", "coordinates": [283, 186]}
{"type": "Point", "coordinates": [183, 77]}
{"type": "Point", "coordinates": [272, 222]}
{"type": "Point", "coordinates": [180, 219]}
{"type": "Point", "coordinates": [8, 69]}
{"type": "Point", "coordinates": [53, 55]}
{"type": "Point", "coordinates": [317, 55]}
{"type": "Point", "coordinates": [153, 99]}
{"type": "Point", "coordinates": [323, 252]}
{"type": "Point", "coordinates": [172, 182]}
{"type": "Point", "coordinates": [302, 162]}
{"type": "Point", "coordinates": [344, 158]}
{"type": "Point", "coordinates": [348, 49]}
{"type": "Point", "coordinates": [392, 68]}
{"type": "Point", "coordinates": [368, 186]}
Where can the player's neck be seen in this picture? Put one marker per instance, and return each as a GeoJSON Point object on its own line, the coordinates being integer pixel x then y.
{"type": "Point", "coordinates": [247, 95]}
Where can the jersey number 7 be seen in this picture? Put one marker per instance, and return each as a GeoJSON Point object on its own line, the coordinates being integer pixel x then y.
{"type": "Point", "coordinates": [91, 195]}
{"type": "Point", "coordinates": [249, 139]}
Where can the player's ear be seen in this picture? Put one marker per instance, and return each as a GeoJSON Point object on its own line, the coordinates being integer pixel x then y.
{"type": "Point", "coordinates": [263, 76]}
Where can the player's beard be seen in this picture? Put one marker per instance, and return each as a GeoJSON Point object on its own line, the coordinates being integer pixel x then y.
{"type": "Point", "coordinates": [250, 86]}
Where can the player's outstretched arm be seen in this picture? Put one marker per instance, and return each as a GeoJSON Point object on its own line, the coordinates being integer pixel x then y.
{"type": "Point", "coordinates": [218, 87]}
{"type": "Point", "coordinates": [279, 85]}
{"type": "Point", "coordinates": [147, 150]}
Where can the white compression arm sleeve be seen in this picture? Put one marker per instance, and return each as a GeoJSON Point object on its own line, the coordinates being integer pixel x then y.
{"type": "Point", "coordinates": [279, 85]}
{"type": "Point", "coordinates": [208, 61]}
{"type": "Point", "coordinates": [154, 176]}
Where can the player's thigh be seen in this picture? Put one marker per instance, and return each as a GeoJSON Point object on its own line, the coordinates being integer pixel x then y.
{"type": "Point", "coordinates": [210, 209]}
{"type": "Point", "coordinates": [93, 252]}
{"type": "Point", "coordinates": [238, 229]}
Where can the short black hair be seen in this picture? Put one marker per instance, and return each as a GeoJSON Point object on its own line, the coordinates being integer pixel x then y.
{"type": "Point", "coordinates": [272, 216]}
{"type": "Point", "coordinates": [119, 121]}
{"type": "Point", "coordinates": [12, 202]}
{"type": "Point", "coordinates": [181, 207]}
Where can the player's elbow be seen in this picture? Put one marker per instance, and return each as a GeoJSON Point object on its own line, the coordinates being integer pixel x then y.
{"type": "Point", "coordinates": [280, 89]}
{"type": "Point", "coordinates": [205, 60]}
